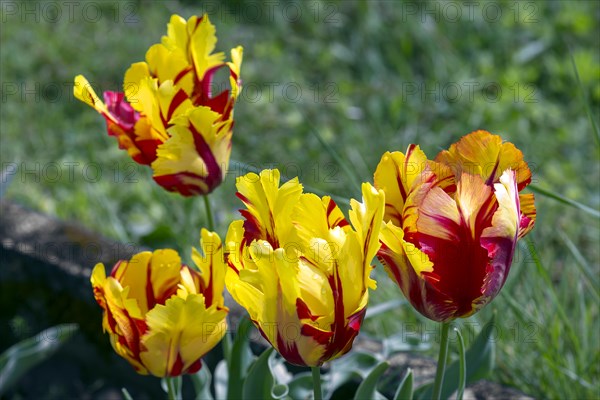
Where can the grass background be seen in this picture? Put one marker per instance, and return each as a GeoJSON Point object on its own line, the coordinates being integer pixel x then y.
{"type": "Point", "coordinates": [361, 77]}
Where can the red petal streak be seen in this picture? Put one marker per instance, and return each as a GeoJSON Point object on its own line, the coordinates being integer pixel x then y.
{"type": "Point", "coordinates": [303, 310]}
{"type": "Point", "coordinates": [125, 115]}
{"type": "Point", "coordinates": [289, 351]}
{"type": "Point", "coordinates": [321, 337]}
{"type": "Point", "coordinates": [179, 98]}
{"type": "Point", "coordinates": [214, 173]}
{"type": "Point", "coordinates": [177, 368]}
{"type": "Point", "coordinates": [195, 367]}
{"type": "Point", "coordinates": [341, 222]}
{"type": "Point", "coordinates": [421, 292]}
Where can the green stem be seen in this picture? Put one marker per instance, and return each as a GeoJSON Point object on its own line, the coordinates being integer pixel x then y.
{"type": "Point", "coordinates": [316, 374]}
{"type": "Point", "coordinates": [173, 387]}
{"type": "Point", "coordinates": [226, 343]}
{"type": "Point", "coordinates": [209, 215]}
{"type": "Point", "coordinates": [441, 365]}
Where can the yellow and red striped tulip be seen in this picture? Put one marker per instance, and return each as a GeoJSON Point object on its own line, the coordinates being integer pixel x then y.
{"type": "Point", "coordinates": [161, 315]}
{"type": "Point", "coordinates": [299, 268]}
{"type": "Point", "coordinates": [452, 224]}
{"type": "Point", "coordinates": [172, 120]}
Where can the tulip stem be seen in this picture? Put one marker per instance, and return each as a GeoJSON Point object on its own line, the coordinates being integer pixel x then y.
{"type": "Point", "coordinates": [316, 374]}
{"type": "Point", "coordinates": [209, 215]}
{"type": "Point", "coordinates": [173, 387]}
{"type": "Point", "coordinates": [441, 365]}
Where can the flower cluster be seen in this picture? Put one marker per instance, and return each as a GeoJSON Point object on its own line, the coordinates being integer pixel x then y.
{"type": "Point", "coordinates": [171, 119]}
{"type": "Point", "coordinates": [445, 229]}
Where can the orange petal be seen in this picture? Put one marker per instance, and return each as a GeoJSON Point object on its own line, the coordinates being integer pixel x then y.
{"type": "Point", "coordinates": [484, 154]}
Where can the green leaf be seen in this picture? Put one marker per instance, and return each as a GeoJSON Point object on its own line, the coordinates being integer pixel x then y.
{"type": "Point", "coordinates": [565, 200]}
{"type": "Point", "coordinates": [562, 314]}
{"type": "Point", "coordinates": [584, 99]}
{"type": "Point", "coordinates": [301, 386]}
{"type": "Point", "coordinates": [368, 387]}
{"type": "Point", "coordinates": [591, 278]}
{"type": "Point", "coordinates": [18, 359]}
{"type": "Point", "coordinates": [462, 366]}
{"type": "Point", "coordinates": [405, 388]}
{"type": "Point", "coordinates": [259, 382]}
{"type": "Point", "coordinates": [479, 359]}
{"type": "Point", "coordinates": [201, 381]}
{"type": "Point", "coordinates": [403, 343]}
{"type": "Point", "coordinates": [355, 365]}
{"type": "Point", "coordinates": [380, 308]}
{"type": "Point", "coordinates": [126, 394]}
{"type": "Point", "coordinates": [160, 237]}
{"type": "Point", "coordinates": [239, 361]}
{"type": "Point", "coordinates": [280, 375]}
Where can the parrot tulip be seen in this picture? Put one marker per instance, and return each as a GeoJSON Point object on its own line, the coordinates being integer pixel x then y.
{"type": "Point", "coordinates": [163, 316]}
{"type": "Point", "coordinates": [299, 268]}
{"type": "Point", "coordinates": [451, 225]}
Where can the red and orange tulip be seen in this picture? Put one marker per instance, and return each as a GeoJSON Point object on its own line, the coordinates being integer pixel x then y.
{"type": "Point", "coordinates": [171, 119]}
{"type": "Point", "coordinates": [452, 224]}
{"type": "Point", "coordinates": [161, 315]}
{"type": "Point", "coordinates": [299, 268]}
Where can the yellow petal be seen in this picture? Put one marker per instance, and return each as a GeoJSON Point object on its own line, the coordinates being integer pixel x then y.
{"type": "Point", "coordinates": [366, 218]}
{"type": "Point", "coordinates": [161, 104]}
{"type": "Point", "coordinates": [401, 255]}
{"type": "Point", "coordinates": [315, 217]}
{"type": "Point", "coordinates": [269, 207]}
{"type": "Point", "coordinates": [197, 151]}
{"type": "Point", "coordinates": [395, 175]}
{"type": "Point", "coordinates": [202, 42]}
{"type": "Point", "coordinates": [484, 154]}
{"type": "Point", "coordinates": [528, 212]}
{"type": "Point", "coordinates": [505, 221]}
{"type": "Point", "coordinates": [151, 277]}
{"type": "Point", "coordinates": [134, 76]}
{"type": "Point", "coordinates": [474, 200]}
{"type": "Point", "coordinates": [179, 333]}
{"type": "Point", "coordinates": [212, 267]}
{"type": "Point", "coordinates": [82, 90]}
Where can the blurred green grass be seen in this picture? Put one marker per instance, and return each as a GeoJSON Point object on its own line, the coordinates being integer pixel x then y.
{"type": "Point", "coordinates": [373, 76]}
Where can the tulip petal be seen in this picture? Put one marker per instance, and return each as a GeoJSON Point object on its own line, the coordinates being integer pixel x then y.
{"type": "Point", "coordinates": [366, 218]}
{"type": "Point", "coordinates": [212, 268]}
{"type": "Point", "coordinates": [136, 73]}
{"type": "Point", "coordinates": [410, 268]}
{"type": "Point", "coordinates": [500, 238]}
{"type": "Point", "coordinates": [120, 117]}
{"type": "Point", "coordinates": [122, 317]}
{"type": "Point", "coordinates": [179, 333]}
{"type": "Point", "coordinates": [203, 40]}
{"type": "Point", "coordinates": [528, 213]}
{"type": "Point", "coordinates": [269, 207]}
{"type": "Point", "coordinates": [193, 159]}
{"type": "Point", "coordinates": [484, 154]}
{"type": "Point", "coordinates": [396, 175]}
{"type": "Point", "coordinates": [161, 104]}
{"type": "Point", "coordinates": [449, 233]}
{"type": "Point", "coordinates": [150, 276]}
